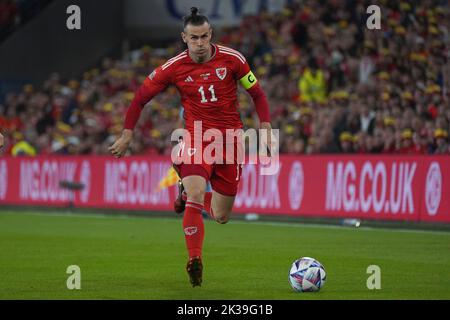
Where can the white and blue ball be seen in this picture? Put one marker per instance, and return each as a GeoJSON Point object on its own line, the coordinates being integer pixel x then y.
{"type": "Point", "coordinates": [307, 275]}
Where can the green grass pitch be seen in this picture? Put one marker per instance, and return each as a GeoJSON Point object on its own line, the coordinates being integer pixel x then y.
{"type": "Point", "coordinates": [144, 258]}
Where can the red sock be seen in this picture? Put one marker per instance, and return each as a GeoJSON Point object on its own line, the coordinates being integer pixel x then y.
{"type": "Point", "coordinates": [194, 230]}
{"type": "Point", "coordinates": [207, 204]}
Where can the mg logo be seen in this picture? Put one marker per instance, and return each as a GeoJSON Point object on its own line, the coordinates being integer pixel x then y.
{"type": "Point", "coordinates": [433, 188]}
{"type": "Point", "coordinates": [296, 183]}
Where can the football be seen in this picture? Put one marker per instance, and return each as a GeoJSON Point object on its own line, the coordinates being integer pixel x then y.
{"type": "Point", "coordinates": [307, 275]}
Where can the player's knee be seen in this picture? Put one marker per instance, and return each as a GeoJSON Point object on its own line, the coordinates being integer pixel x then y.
{"type": "Point", "coordinates": [196, 194]}
{"type": "Point", "coordinates": [222, 220]}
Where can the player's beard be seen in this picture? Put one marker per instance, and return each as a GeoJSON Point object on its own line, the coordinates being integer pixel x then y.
{"type": "Point", "coordinates": [204, 56]}
{"type": "Point", "coordinates": [201, 58]}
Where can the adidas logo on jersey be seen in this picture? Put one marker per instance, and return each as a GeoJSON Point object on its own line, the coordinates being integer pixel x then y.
{"type": "Point", "coordinates": [189, 79]}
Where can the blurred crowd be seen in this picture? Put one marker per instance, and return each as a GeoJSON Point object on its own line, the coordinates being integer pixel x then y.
{"type": "Point", "coordinates": [334, 86]}
{"type": "Point", "coordinates": [13, 13]}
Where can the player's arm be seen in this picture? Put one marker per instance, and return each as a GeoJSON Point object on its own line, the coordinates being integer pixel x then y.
{"type": "Point", "coordinates": [251, 84]}
{"type": "Point", "coordinates": [2, 140]}
{"type": "Point", "coordinates": [154, 84]}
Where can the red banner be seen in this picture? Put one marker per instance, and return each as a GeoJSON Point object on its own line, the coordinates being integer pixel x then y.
{"type": "Point", "coordinates": [413, 188]}
{"type": "Point", "coordinates": [108, 183]}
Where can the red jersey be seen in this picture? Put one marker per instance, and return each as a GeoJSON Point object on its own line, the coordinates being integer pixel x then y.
{"type": "Point", "coordinates": [208, 90]}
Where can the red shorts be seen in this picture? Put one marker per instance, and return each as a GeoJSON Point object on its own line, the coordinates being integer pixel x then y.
{"type": "Point", "coordinates": [224, 177]}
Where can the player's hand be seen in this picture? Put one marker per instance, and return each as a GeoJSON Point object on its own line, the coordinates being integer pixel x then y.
{"type": "Point", "coordinates": [119, 148]}
{"type": "Point", "coordinates": [267, 126]}
{"type": "Point", "coordinates": [2, 140]}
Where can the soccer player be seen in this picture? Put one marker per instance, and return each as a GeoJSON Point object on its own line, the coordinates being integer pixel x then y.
{"type": "Point", "coordinates": [206, 75]}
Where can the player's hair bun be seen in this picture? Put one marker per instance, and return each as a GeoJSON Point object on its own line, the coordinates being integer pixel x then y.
{"type": "Point", "coordinates": [195, 18]}
{"type": "Point", "coordinates": [194, 11]}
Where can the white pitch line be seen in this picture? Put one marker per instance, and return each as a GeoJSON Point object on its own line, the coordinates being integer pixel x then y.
{"type": "Point", "coordinates": [260, 223]}
{"type": "Point", "coordinates": [331, 226]}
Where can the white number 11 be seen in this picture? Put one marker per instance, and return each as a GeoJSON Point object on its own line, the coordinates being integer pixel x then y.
{"type": "Point", "coordinates": [213, 94]}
